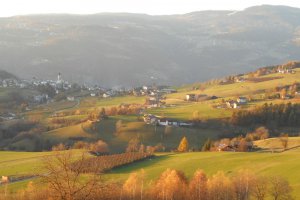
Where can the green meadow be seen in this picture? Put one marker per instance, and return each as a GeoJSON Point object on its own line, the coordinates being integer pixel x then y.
{"type": "Point", "coordinates": [284, 164]}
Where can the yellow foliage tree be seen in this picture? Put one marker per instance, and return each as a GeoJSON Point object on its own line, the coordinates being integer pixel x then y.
{"type": "Point", "coordinates": [198, 186]}
{"type": "Point", "coordinates": [134, 185]}
{"type": "Point", "coordinates": [172, 185]}
{"type": "Point", "coordinates": [183, 145]}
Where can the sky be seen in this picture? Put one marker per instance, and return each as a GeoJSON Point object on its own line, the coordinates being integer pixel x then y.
{"type": "Point", "coordinates": [152, 7]}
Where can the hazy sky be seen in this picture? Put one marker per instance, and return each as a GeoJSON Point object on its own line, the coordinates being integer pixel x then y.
{"type": "Point", "coordinates": [154, 7]}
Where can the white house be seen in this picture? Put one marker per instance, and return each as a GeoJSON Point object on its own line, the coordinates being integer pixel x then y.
{"type": "Point", "coordinates": [71, 98]}
{"type": "Point", "coordinates": [190, 97]}
{"type": "Point", "coordinates": [105, 95]}
{"type": "Point", "coordinates": [242, 100]}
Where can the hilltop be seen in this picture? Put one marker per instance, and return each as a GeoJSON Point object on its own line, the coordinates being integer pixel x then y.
{"type": "Point", "coordinates": [6, 75]}
{"type": "Point", "coordinates": [128, 49]}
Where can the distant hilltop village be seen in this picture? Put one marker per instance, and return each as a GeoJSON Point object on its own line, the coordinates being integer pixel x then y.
{"type": "Point", "coordinates": [36, 91]}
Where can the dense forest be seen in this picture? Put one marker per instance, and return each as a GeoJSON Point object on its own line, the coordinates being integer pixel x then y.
{"type": "Point", "coordinates": [270, 115]}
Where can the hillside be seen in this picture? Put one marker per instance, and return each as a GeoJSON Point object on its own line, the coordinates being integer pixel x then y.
{"type": "Point", "coordinates": [6, 75]}
{"type": "Point", "coordinates": [68, 121]}
{"type": "Point", "coordinates": [211, 162]}
{"type": "Point", "coordinates": [275, 145]}
{"type": "Point", "coordinates": [128, 49]}
{"type": "Point", "coordinates": [282, 164]}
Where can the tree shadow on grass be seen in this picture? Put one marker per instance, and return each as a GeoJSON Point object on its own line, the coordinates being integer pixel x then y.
{"type": "Point", "coordinates": [139, 164]}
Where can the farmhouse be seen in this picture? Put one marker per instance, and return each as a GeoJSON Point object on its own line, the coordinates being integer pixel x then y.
{"type": "Point", "coordinates": [105, 95]}
{"type": "Point", "coordinates": [168, 91]}
{"type": "Point", "coordinates": [190, 97]}
{"type": "Point", "coordinates": [4, 179]}
{"type": "Point", "coordinates": [286, 71]}
{"type": "Point", "coordinates": [225, 147]}
{"type": "Point", "coordinates": [70, 98]}
{"type": "Point", "coordinates": [242, 100]}
{"type": "Point", "coordinates": [40, 98]}
{"type": "Point", "coordinates": [167, 122]}
{"type": "Point", "coordinates": [232, 104]}
{"type": "Point", "coordinates": [150, 119]}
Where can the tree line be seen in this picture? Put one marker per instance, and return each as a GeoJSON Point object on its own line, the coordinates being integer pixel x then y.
{"type": "Point", "coordinates": [62, 180]}
{"type": "Point", "coordinates": [270, 115]}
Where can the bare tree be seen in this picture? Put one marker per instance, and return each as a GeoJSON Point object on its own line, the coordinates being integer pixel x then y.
{"type": "Point", "coordinates": [280, 188]}
{"type": "Point", "coordinates": [242, 184]}
{"type": "Point", "coordinates": [259, 187]}
{"type": "Point", "coordinates": [65, 178]}
{"type": "Point", "coordinates": [284, 139]}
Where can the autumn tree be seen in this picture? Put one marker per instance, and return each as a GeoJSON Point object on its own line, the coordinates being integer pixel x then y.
{"type": "Point", "coordinates": [171, 185]}
{"type": "Point", "coordinates": [220, 187]}
{"type": "Point", "coordinates": [243, 145]}
{"type": "Point", "coordinates": [260, 133]}
{"type": "Point", "coordinates": [198, 186]}
{"type": "Point", "coordinates": [283, 93]}
{"type": "Point", "coordinates": [80, 145]}
{"type": "Point", "coordinates": [119, 125]}
{"type": "Point", "coordinates": [133, 187]}
{"type": "Point", "coordinates": [133, 145]}
{"type": "Point", "coordinates": [99, 147]}
{"type": "Point", "coordinates": [59, 147]}
{"type": "Point", "coordinates": [183, 145]}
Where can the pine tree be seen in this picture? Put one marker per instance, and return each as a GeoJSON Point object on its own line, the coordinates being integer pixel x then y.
{"type": "Point", "coordinates": [207, 145]}
{"type": "Point", "coordinates": [184, 145]}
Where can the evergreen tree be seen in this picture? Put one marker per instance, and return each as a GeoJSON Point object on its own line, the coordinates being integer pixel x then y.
{"type": "Point", "coordinates": [207, 145]}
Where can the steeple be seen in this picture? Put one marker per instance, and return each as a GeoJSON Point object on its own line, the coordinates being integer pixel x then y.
{"type": "Point", "coordinates": [59, 77]}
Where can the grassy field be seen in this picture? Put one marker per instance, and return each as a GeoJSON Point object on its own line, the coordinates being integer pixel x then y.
{"type": "Point", "coordinates": [274, 144]}
{"type": "Point", "coordinates": [23, 163]}
{"type": "Point", "coordinates": [93, 102]}
{"type": "Point", "coordinates": [19, 163]}
{"type": "Point", "coordinates": [149, 134]}
{"type": "Point", "coordinates": [184, 111]}
{"type": "Point", "coordinates": [283, 164]}
{"type": "Point", "coordinates": [243, 88]}
{"type": "Point", "coordinates": [68, 132]}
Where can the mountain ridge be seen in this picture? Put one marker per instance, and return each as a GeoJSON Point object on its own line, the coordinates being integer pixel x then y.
{"type": "Point", "coordinates": [134, 49]}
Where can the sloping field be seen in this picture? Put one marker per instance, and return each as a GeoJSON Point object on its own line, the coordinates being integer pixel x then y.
{"type": "Point", "coordinates": [285, 164]}
{"type": "Point", "coordinates": [18, 163]}
{"type": "Point", "coordinates": [76, 131]}
{"type": "Point", "coordinates": [274, 144]}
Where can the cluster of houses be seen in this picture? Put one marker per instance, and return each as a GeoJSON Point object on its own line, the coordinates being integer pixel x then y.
{"type": "Point", "coordinates": [234, 146]}
{"type": "Point", "coordinates": [286, 71]}
{"type": "Point", "coordinates": [7, 116]}
{"type": "Point", "coordinates": [162, 121]}
{"type": "Point", "coordinates": [236, 103]}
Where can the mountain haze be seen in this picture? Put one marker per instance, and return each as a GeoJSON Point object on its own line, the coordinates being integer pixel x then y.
{"type": "Point", "coordinates": [129, 49]}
